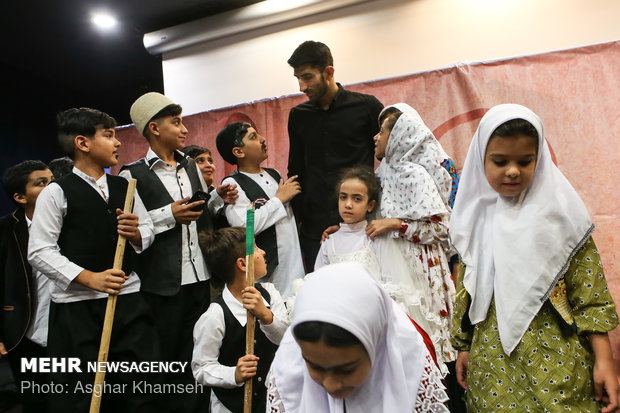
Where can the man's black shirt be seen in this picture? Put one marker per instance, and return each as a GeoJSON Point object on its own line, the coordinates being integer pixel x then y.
{"type": "Point", "coordinates": [322, 142]}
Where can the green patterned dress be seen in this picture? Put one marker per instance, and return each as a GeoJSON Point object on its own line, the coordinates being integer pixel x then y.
{"type": "Point", "coordinates": [548, 371]}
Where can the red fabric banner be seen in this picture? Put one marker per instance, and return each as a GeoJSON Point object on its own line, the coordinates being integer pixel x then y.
{"type": "Point", "coordinates": [576, 92]}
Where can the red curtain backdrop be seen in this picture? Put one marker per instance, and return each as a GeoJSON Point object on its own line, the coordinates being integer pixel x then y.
{"type": "Point", "coordinates": [576, 92]}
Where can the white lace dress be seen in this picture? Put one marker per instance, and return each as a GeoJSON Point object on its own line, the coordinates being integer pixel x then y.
{"type": "Point", "coordinates": [412, 268]}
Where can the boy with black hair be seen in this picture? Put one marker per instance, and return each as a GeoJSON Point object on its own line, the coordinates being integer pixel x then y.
{"type": "Point", "coordinates": [219, 359]}
{"type": "Point", "coordinates": [61, 166]}
{"type": "Point", "coordinates": [333, 130]}
{"type": "Point", "coordinates": [274, 223]}
{"type": "Point", "coordinates": [73, 240]}
{"type": "Point", "coordinates": [175, 280]}
{"type": "Point", "coordinates": [24, 297]}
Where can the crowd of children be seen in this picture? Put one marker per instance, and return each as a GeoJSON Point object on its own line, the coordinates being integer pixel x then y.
{"type": "Point", "coordinates": [379, 323]}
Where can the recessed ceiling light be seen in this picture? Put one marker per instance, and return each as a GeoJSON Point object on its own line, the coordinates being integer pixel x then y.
{"type": "Point", "coordinates": [104, 21]}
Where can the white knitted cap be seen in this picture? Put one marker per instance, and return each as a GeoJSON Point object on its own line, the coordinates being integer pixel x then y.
{"type": "Point", "coordinates": [147, 106]}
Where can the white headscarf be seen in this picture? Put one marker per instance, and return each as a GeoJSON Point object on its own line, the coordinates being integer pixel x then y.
{"type": "Point", "coordinates": [518, 247]}
{"type": "Point", "coordinates": [414, 183]}
{"type": "Point", "coordinates": [348, 296]}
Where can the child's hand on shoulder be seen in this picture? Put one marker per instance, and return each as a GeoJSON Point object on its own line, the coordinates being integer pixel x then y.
{"type": "Point", "coordinates": [128, 226]}
{"type": "Point", "coordinates": [109, 281]}
{"type": "Point", "coordinates": [246, 368]}
{"type": "Point", "coordinates": [328, 231]}
{"type": "Point", "coordinates": [252, 301]}
{"type": "Point", "coordinates": [379, 226]}
{"type": "Point", "coordinates": [228, 193]}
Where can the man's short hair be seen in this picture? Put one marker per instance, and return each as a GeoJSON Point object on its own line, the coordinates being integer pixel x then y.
{"type": "Point", "coordinates": [80, 121]}
{"type": "Point", "coordinates": [315, 54]}
{"type": "Point", "coordinates": [16, 177]}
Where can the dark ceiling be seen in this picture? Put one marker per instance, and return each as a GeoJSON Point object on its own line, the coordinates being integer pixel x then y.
{"type": "Point", "coordinates": [53, 58]}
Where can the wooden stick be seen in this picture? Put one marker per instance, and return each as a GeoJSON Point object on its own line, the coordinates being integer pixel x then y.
{"type": "Point", "coordinates": [249, 279]}
{"type": "Point", "coordinates": [108, 321]}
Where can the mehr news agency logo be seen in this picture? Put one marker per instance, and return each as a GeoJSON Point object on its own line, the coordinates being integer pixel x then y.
{"type": "Point", "coordinates": [74, 365]}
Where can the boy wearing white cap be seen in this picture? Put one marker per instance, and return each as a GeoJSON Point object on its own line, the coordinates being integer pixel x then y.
{"type": "Point", "coordinates": [175, 280]}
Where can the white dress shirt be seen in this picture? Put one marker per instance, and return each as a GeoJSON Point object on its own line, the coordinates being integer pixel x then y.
{"type": "Point", "coordinates": [43, 251]}
{"type": "Point", "coordinates": [177, 183]}
{"type": "Point", "coordinates": [273, 212]}
{"type": "Point", "coordinates": [209, 333]}
{"type": "Point", "coordinates": [40, 288]}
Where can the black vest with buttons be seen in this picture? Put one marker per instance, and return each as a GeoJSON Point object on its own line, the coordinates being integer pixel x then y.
{"type": "Point", "coordinates": [160, 266]}
{"type": "Point", "coordinates": [89, 229]}
{"type": "Point", "coordinates": [267, 240]}
{"type": "Point", "coordinates": [233, 348]}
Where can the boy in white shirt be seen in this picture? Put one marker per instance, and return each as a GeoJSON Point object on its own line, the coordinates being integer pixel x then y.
{"type": "Point", "coordinates": [73, 237]}
{"type": "Point", "coordinates": [274, 223]}
{"type": "Point", "coordinates": [219, 358]}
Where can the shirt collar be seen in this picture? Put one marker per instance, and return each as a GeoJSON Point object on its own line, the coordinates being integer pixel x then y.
{"type": "Point", "coordinates": [152, 159]}
{"type": "Point", "coordinates": [101, 181]}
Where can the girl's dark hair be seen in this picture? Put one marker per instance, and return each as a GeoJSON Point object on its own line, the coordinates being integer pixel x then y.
{"type": "Point", "coordinates": [221, 250]}
{"type": "Point", "coordinates": [366, 175]}
{"type": "Point", "coordinates": [515, 127]}
{"type": "Point", "coordinates": [392, 112]}
{"type": "Point", "coordinates": [330, 334]}
{"type": "Point", "coordinates": [194, 150]}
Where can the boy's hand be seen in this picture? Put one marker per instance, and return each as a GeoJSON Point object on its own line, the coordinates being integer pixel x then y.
{"type": "Point", "coordinates": [462, 360]}
{"type": "Point", "coordinates": [246, 368]}
{"type": "Point", "coordinates": [253, 302]}
{"type": "Point", "coordinates": [228, 193]}
{"type": "Point", "coordinates": [128, 227]}
{"type": "Point", "coordinates": [109, 281]}
{"type": "Point", "coordinates": [379, 226]}
{"type": "Point", "coordinates": [329, 230]}
{"type": "Point", "coordinates": [287, 190]}
{"type": "Point", "coordinates": [183, 213]}
{"type": "Point", "coordinates": [3, 351]}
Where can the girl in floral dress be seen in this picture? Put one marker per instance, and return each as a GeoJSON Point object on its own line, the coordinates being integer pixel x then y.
{"type": "Point", "coordinates": [418, 182]}
{"type": "Point", "coordinates": [533, 309]}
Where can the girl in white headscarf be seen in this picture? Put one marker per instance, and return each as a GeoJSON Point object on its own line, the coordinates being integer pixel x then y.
{"type": "Point", "coordinates": [351, 349]}
{"type": "Point", "coordinates": [533, 309]}
{"type": "Point", "coordinates": [417, 179]}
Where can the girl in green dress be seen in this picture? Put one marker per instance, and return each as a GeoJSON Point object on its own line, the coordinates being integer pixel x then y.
{"type": "Point", "coordinates": [533, 309]}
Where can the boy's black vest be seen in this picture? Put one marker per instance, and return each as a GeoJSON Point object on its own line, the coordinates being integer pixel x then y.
{"type": "Point", "coordinates": [160, 266]}
{"type": "Point", "coordinates": [89, 230]}
{"type": "Point", "coordinates": [233, 347]}
{"type": "Point", "coordinates": [266, 240]}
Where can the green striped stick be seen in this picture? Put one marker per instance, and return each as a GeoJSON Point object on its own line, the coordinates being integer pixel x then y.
{"type": "Point", "coordinates": [249, 279]}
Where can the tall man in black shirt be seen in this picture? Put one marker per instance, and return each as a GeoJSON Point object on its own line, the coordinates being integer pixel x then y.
{"type": "Point", "coordinates": [334, 129]}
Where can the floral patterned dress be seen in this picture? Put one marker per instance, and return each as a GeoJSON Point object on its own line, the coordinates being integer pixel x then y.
{"type": "Point", "coordinates": [548, 371]}
{"type": "Point", "coordinates": [424, 244]}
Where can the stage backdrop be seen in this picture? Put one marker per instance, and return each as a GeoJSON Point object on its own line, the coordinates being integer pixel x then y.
{"type": "Point", "coordinates": [576, 92]}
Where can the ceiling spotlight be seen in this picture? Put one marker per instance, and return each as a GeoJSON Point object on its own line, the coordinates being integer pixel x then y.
{"type": "Point", "coordinates": [104, 21]}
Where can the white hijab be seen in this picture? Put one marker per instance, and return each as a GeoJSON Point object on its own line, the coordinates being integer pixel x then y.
{"type": "Point", "coordinates": [348, 296]}
{"type": "Point", "coordinates": [414, 184]}
{"type": "Point", "coordinates": [516, 248]}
